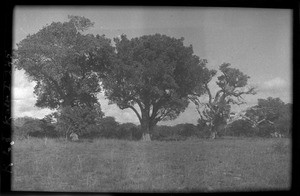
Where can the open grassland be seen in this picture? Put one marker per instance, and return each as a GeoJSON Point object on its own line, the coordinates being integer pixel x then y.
{"type": "Point", "coordinates": [114, 165]}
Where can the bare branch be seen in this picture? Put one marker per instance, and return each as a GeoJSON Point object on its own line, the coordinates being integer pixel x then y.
{"type": "Point", "coordinates": [239, 93]}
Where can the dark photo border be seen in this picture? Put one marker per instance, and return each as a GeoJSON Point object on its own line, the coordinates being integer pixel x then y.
{"type": "Point", "coordinates": [7, 18]}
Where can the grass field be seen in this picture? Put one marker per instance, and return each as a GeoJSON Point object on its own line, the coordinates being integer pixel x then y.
{"type": "Point", "coordinates": [182, 166]}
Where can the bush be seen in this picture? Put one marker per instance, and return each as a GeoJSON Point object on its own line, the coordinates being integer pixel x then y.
{"type": "Point", "coordinates": [46, 131]}
{"type": "Point", "coordinates": [29, 127]}
{"type": "Point", "coordinates": [240, 128]}
{"type": "Point", "coordinates": [16, 133]}
{"type": "Point", "coordinates": [203, 132]}
{"type": "Point", "coordinates": [284, 125]}
{"type": "Point", "coordinates": [186, 130]}
{"type": "Point", "coordinates": [265, 130]}
{"type": "Point", "coordinates": [161, 132]}
{"type": "Point", "coordinates": [77, 119]}
{"type": "Point", "coordinates": [108, 127]}
{"type": "Point", "coordinates": [92, 132]}
{"type": "Point", "coordinates": [129, 131]}
{"type": "Point", "coordinates": [123, 133]}
{"type": "Point", "coordinates": [178, 132]}
{"type": "Point", "coordinates": [35, 128]}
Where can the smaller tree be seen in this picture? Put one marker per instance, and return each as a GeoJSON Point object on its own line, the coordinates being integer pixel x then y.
{"type": "Point", "coordinates": [233, 85]}
{"type": "Point", "coordinates": [270, 115]}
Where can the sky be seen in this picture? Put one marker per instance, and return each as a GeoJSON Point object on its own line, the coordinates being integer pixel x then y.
{"type": "Point", "coordinates": [257, 41]}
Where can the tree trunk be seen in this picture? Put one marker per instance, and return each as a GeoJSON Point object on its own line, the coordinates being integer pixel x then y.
{"type": "Point", "coordinates": [146, 137]}
{"type": "Point", "coordinates": [213, 135]}
{"type": "Point", "coordinates": [146, 129]}
{"type": "Point", "coordinates": [146, 124]}
{"type": "Point", "coordinates": [216, 129]}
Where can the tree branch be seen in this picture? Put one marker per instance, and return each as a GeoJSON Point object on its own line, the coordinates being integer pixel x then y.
{"type": "Point", "coordinates": [208, 92]}
{"type": "Point", "coordinates": [216, 100]}
{"type": "Point", "coordinates": [139, 103]}
{"type": "Point", "coordinates": [156, 107]}
{"type": "Point", "coordinates": [135, 111]}
{"type": "Point", "coordinates": [239, 93]}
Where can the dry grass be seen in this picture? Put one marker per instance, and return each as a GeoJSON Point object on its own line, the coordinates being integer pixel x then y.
{"type": "Point", "coordinates": [114, 165]}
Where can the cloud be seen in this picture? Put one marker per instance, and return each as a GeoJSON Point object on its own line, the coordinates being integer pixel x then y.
{"type": "Point", "coordinates": [25, 107]}
{"type": "Point", "coordinates": [23, 98]}
{"type": "Point", "coordinates": [121, 116]}
{"type": "Point", "coordinates": [190, 115]}
{"type": "Point", "coordinates": [19, 93]}
{"type": "Point", "coordinates": [276, 87]}
{"type": "Point", "coordinates": [275, 83]}
{"type": "Point", "coordinates": [22, 89]}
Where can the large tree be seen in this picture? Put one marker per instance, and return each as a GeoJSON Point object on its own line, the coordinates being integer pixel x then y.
{"type": "Point", "coordinates": [232, 84]}
{"type": "Point", "coordinates": [153, 75]}
{"type": "Point", "coordinates": [64, 62]}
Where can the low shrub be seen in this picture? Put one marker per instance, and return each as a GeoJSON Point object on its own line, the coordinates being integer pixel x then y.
{"type": "Point", "coordinates": [161, 132]}
{"type": "Point", "coordinates": [186, 130]}
{"type": "Point", "coordinates": [240, 128]}
{"type": "Point", "coordinates": [129, 131]}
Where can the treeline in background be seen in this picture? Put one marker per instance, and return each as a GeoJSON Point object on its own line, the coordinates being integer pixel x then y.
{"type": "Point", "coordinates": [276, 118]}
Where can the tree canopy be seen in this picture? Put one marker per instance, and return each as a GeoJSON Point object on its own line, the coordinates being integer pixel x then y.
{"type": "Point", "coordinates": [64, 63]}
{"type": "Point", "coordinates": [155, 73]}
